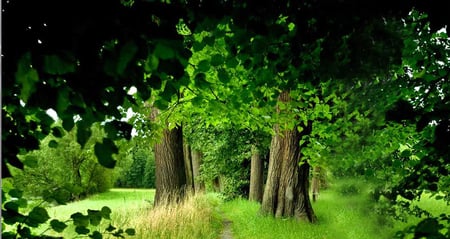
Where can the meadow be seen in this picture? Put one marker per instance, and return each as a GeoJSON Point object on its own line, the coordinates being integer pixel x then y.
{"type": "Point", "coordinates": [341, 214]}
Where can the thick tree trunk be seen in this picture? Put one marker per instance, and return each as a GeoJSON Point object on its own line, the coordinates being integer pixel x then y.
{"type": "Point", "coordinates": [286, 192]}
{"type": "Point", "coordinates": [199, 186]}
{"type": "Point", "coordinates": [189, 168]}
{"type": "Point", "coordinates": [256, 176]}
{"type": "Point", "coordinates": [170, 169]}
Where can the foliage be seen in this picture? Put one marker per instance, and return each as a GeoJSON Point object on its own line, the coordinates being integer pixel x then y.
{"type": "Point", "coordinates": [140, 171]}
{"type": "Point", "coordinates": [85, 68]}
{"type": "Point", "coordinates": [226, 155]}
{"type": "Point", "coordinates": [61, 164]}
{"type": "Point", "coordinates": [22, 223]}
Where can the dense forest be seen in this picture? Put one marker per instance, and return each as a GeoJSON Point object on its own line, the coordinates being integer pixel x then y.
{"type": "Point", "coordinates": [265, 100]}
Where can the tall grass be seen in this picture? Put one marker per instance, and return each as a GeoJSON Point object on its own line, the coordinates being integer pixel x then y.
{"type": "Point", "coordinates": [196, 217]}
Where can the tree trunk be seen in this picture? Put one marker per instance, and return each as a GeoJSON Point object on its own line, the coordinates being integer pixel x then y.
{"type": "Point", "coordinates": [199, 186]}
{"type": "Point", "coordinates": [286, 193]}
{"type": "Point", "coordinates": [170, 169]}
{"type": "Point", "coordinates": [188, 167]}
{"type": "Point", "coordinates": [256, 176]}
{"type": "Point", "coordinates": [315, 183]}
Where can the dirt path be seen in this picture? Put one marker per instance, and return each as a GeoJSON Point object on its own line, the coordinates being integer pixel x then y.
{"type": "Point", "coordinates": [226, 233]}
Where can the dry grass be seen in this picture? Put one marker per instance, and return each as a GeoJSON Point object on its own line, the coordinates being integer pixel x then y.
{"type": "Point", "coordinates": [196, 217]}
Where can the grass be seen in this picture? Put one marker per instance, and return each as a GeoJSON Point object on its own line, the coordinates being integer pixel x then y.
{"type": "Point", "coordinates": [342, 212]}
{"type": "Point", "coordinates": [197, 217]}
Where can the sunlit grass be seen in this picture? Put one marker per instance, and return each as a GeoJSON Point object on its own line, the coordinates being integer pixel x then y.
{"type": "Point", "coordinates": [116, 199]}
{"type": "Point", "coordinates": [342, 213]}
{"type": "Point", "coordinates": [197, 217]}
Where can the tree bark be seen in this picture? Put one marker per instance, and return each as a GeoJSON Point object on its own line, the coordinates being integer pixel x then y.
{"type": "Point", "coordinates": [256, 176]}
{"type": "Point", "coordinates": [286, 193]}
{"type": "Point", "coordinates": [199, 186]}
{"type": "Point", "coordinates": [188, 167]}
{"type": "Point", "coordinates": [315, 183]}
{"type": "Point", "coordinates": [170, 169]}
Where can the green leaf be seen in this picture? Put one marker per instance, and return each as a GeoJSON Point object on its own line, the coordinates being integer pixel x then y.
{"type": "Point", "coordinates": [106, 212]}
{"type": "Point", "coordinates": [151, 64]}
{"type": "Point", "coordinates": [265, 75]}
{"type": "Point", "coordinates": [15, 193]}
{"type": "Point", "coordinates": [81, 230]}
{"type": "Point", "coordinates": [61, 196]}
{"type": "Point", "coordinates": [80, 219]}
{"type": "Point", "coordinates": [53, 144]}
{"type": "Point", "coordinates": [38, 215]}
{"type": "Point", "coordinates": [161, 104]}
{"type": "Point", "coordinates": [223, 76]}
{"type": "Point", "coordinates": [154, 82]}
{"type": "Point", "coordinates": [84, 132]}
{"type": "Point", "coordinates": [57, 225]}
{"type": "Point", "coordinates": [164, 52]}
{"type": "Point", "coordinates": [198, 46]}
{"type": "Point", "coordinates": [63, 101]}
{"type": "Point", "coordinates": [203, 66]}
{"type": "Point", "coordinates": [26, 76]}
{"type": "Point", "coordinates": [217, 60]}
{"type": "Point", "coordinates": [118, 233]}
{"type": "Point", "coordinates": [209, 40]}
{"type": "Point", "coordinates": [427, 227]}
{"type": "Point", "coordinates": [110, 228]}
{"type": "Point", "coordinates": [95, 217]}
{"type": "Point", "coordinates": [130, 231]}
{"type": "Point", "coordinates": [127, 52]}
{"type": "Point", "coordinates": [14, 206]}
{"type": "Point", "coordinates": [232, 62]}
{"type": "Point", "coordinates": [56, 65]}
{"type": "Point", "coordinates": [23, 203]}
{"type": "Point", "coordinates": [104, 152]}
{"type": "Point", "coordinates": [24, 232]}
{"type": "Point", "coordinates": [406, 153]}
{"type": "Point", "coordinates": [68, 123]}
{"type": "Point", "coordinates": [96, 235]}
{"type": "Point", "coordinates": [169, 92]}
{"type": "Point", "coordinates": [200, 81]}
{"type": "Point", "coordinates": [11, 217]}
{"type": "Point", "coordinates": [57, 131]}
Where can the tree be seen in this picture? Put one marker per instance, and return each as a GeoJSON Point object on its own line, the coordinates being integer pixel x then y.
{"type": "Point", "coordinates": [61, 164]}
{"type": "Point", "coordinates": [136, 164]}
{"type": "Point", "coordinates": [171, 182]}
{"type": "Point", "coordinates": [256, 175]}
{"type": "Point", "coordinates": [286, 193]}
{"type": "Point", "coordinates": [197, 156]}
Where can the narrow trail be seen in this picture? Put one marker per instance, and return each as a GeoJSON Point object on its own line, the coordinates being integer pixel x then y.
{"type": "Point", "coordinates": [226, 233]}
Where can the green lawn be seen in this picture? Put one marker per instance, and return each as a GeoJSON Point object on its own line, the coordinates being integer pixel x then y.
{"type": "Point", "coordinates": [344, 217]}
